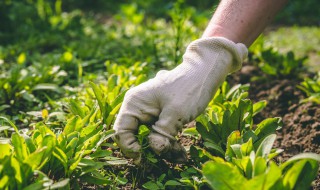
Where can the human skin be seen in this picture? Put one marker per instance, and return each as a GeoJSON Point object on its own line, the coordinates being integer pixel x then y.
{"type": "Point", "coordinates": [242, 21]}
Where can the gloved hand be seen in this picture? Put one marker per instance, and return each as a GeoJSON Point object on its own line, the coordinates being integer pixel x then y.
{"type": "Point", "coordinates": [174, 98]}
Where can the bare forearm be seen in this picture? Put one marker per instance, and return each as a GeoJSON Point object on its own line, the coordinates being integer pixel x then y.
{"type": "Point", "coordinates": [242, 21]}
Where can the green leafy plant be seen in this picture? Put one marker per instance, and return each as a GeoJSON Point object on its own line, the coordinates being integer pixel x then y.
{"type": "Point", "coordinates": [273, 63]}
{"type": "Point", "coordinates": [312, 89]}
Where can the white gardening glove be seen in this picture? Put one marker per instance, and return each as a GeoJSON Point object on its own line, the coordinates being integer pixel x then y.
{"type": "Point", "coordinates": [174, 98]}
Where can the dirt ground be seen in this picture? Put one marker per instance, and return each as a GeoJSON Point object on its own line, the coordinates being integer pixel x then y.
{"type": "Point", "coordinates": [301, 122]}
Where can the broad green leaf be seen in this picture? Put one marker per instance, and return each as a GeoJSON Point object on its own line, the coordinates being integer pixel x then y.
{"type": "Point", "coordinates": [214, 146]}
{"type": "Point", "coordinates": [74, 162]}
{"type": "Point", "coordinates": [97, 180]}
{"type": "Point", "coordinates": [29, 142]}
{"type": "Point", "coordinates": [244, 164]}
{"type": "Point", "coordinates": [259, 166]}
{"type": "Point", "coordinates": [37, 158]}
{"type": "Point", "coordinates": [232, 91]}
{"type": "Point", "coordinates": [73, 124]}
{"type": "Point", "coordinates": [20, 147]}
{"type": "Point", "coordinates": [121, 180]}
{"type": "Point", "coordinates": [205, 134]}
{"type": "Point", "coordinates": [150, 185]}
{"type": "Point", "coordinates": [265, 180]}
{"type": "Point", "coordinates": [4, 181]}
{"type": "Point", "coordinates": [259, 106]}
{"type": "Point", "coordinates": [172, 183]}
{"type": "Point", "coordinates": [301, 174]}
{"type": "Point", "coordinates": [266, 145]}
{"type": "Point", "coordinates": [91, 130]}
{"type": "Point", "coordinates": [247, 147]}
{"type": "Point", "coordinates": [274, 153]}
{"type": "Point", "coordinates": [267, 127]}
{"type": "Point", "coordinates": [192, 131]}
{"type": "Point", "coordinates": [99, 97]}
{"type": "Point", "coordinates": [249, 134]}
{"type": "Point", "coordinates": [18, 171]}
{"type": "Point", "coordinates": [60, 184]}
{"type": "Point", "coordinates": [234, 138]}
{"type": "Point", "coordinates": [5, 150]}
{"type": "Point", "coordinates": [71, 147]}
{"type": "Point", "coordinates": [61, 156]}
{"type": "Point", "coordinates": [223, 176]}
{"type": "Point", "coordinates": [307, 155]}
{"type": "Point", "coordinates": [76, 109]}
{"type": "Point", "coordinates": [39, 185]}
{"type": "Point", "coordinates": [48, 86]}
{"type": "Point", "coordinates": [101, 153]}
{"type": "Point", "coordinates": [112, 114]}
{"type": "Point", "coordinates": [236, 148]}
{"type": "Point", "coordinates": [112, 81]}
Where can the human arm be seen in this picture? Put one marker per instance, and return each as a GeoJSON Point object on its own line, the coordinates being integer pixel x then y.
{"type": "Point", "coordinates": [242, 21]}
{"type": "Point", "coordinates": [173, 98]}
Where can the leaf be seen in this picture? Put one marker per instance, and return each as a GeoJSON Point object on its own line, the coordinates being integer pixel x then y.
{"type": "Point", "coordinates": [265, 180]}
{"type": "Point", "coordinates": [117, 162]}
{"type": "Point", "coordinates": [112, 114]}
{"type": "Point", "coordinates": [307, 155]}
{"type": "Point", "coordinates": [5, 150]}
{"type": "Point", "coordinates": [62, 157]}
{"type": "Point", "coordinates": [150, 185]}
{"type": "Point", "coordinates": [37, 158]}
{"type": "Point", "coordinates": [249, 134]}
{"type": "Point", "coordinates": [223, 176]}
{"type": "Point", "coordinates": [259, 106]}
{"type": "Point", "coordinates": [266, 145]}
{"type": "Point", "coordinates": [48, 86]}
{"type": "Point", "coordinates": [214, 146]}
{"type": "Point", "coordinates": [99, 96]}
{"type": "Point", "coordinates": [192, 131]}
{"type": "Point", "coordinates": [20, 147]}
{"type": "Point", "coordinates": [112, 82]}
{"type": "Point", "coordinates": [121, 180]}
{"type": "Point", "coordinates": [72, 124]}
{"type": "Point", "coordinates": [76, 109]}
{"type": "Point", "coordinates": [118, 99]}
{"type": "Point", "coordinates": [260, 166]}
{"type": "Point", "coordinates": [97, 180]}
{"type": "Point", "coordinates": [11, 123]}
{"type": "Point", "coordinates": [301, 174]}
{"type": "Point", "coordinates": [71, 147]}
{"type": "Point", "coordinates": [101, 153]}
{"type": "Point", "coordinates": [4, 181]}
{"type": "Point", "coordinates": [247, 147]}
{"type": "Point", "coordinates": [267, 127]}
{"type": "Point", "coordinates": [60, 184]}
{"type": "Point", "coordinates": [172, 183]}
{"type": "Point", "coordinates": [90, 130]}
{"type": "Point", "coordinates": [232, 91]}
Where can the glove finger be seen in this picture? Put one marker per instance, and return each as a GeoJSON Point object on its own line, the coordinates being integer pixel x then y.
{"type": "Point", "coordinates": [126, 127]}
{"type": "Point", "coordinates": [162, 140]}
{"type": "Point", "coordinates": [177, 153]}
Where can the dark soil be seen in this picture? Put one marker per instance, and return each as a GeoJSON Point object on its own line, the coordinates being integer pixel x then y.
{"type": "Point", "coordinates": [301, 122]}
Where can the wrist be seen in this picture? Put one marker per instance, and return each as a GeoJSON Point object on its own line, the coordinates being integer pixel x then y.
{"type": "Point", "coordinates": [215, 30]}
